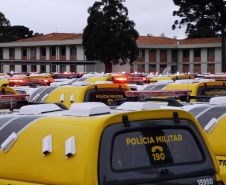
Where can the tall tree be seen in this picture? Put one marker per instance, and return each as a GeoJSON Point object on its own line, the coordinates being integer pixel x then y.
{"type": "Point", "coordinates": [203, 18]}
{"type": "Point", "coordinates": [109, 35]}
{"type": "Point", "coordinates": [3, 20]}
{"type": "Point", "coordinates": [10, 33]}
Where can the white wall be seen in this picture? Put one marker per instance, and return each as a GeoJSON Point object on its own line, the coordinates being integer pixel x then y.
{"type": "Point", "coordinates": [6, 53]}
{"type": "Point", "coordinates": [6, 68]}
{"type": "Point", "coordinates": [18, 53]}
{"type": "Point", "coordinates": [80, 68]}
{"type": "Point", "coordinates": [119, 68]}
{"type": "Point", "coordinates": [80, 53]}
{"type": "Point", "coordinates": [18, 68]}
{"type": "Point", "coordinates": [47, 52]}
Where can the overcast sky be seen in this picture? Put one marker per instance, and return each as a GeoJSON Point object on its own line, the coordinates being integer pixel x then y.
{"type": "Point", "coordinates": [70, 16]}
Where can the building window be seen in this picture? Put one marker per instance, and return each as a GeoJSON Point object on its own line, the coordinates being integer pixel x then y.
{"type": "Point", "coordinates": [33, 68]}
{"type": "Point", "coordinates": [12, 67]}
{"type": "Point", "coordinates": [152, 66]}
{"type": "Point", "coordinates": [42, 68]}
{"type": "Point", "coordinates": [24, 51]}
{"type": "Point", "coordinates": [62, 68]}
{"type": "Point", "coordinates": [174, 53]}
{"type": "Point", "coordinates": [210, 52]}
{"type": "Point", "coordinates": [197, 52]}
{"type": "Point", "coordinates": [12, 52]}
{"type": "Point", "coordinates": [53, 68]}
{"type": "Point", "coordinates": [43, 51]}
{"type": "Point", "coordinates": [141, 53]}
{"type": "Point", "coordinates": [24, 68]}
{"type": "Point", "coordinates": [33, 51]}
{"type": "Point", "coordinates": [152, 50]}
{"type": "Point", "coordinates": [73, 50]}
{"type": "Point", "coordinates": [163, 51]}
{"type": "Point", "coordinates": [186, 53]}
{"type": "Point", "coordinates": [72, 68]}
{"type": "Point", "coordinates": [52, 50]}
{"type": "Point", "coordinates": [140, 65]}
{"type": "Point", "coordinates": [62, 50]}
{"type": "Point", "coordinates": [1, 53]}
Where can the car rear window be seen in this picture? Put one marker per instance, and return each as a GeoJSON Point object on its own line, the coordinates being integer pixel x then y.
{"type": "Point", "coordinates": [214, 92]}
{"type": "Point", "coordinates": [147, 148]}
{"type": "Point", "coordinates": [106, 96]}
{"type": "Point", "coordinates": [147, 151]}
{"type": "Point", "coordinates": [210, 91]}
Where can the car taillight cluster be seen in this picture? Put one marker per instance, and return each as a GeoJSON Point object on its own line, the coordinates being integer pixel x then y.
{"type": "Point", "coordinates": [220, 183]}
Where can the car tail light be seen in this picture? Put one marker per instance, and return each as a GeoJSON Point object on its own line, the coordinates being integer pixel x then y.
{"type": "Point", "coordinates": [220, 183]}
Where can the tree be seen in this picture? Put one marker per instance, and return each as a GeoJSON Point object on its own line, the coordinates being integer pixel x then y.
{"type": "Point", "coordinates": [203, 18]}
{"type": "Point", "coordinates": [3, 20]}
{"type": "Point", "coordinates": [13, 33]}
{"type": "Point", "coordinates": [10, 33]}
{"type": "Point", "coordinates": [109, 35]}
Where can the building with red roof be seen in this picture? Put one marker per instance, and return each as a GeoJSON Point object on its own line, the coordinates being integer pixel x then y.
{"type": "Point", "coordinates": [63, 52]}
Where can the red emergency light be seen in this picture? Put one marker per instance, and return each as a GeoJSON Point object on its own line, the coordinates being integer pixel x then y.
{"type": "Point", "coordinates": [217, 77]}
{"type": "Point", "coordinates": [157, 93]}
{"type": "Point", "coordinates": [68, 74]}
{"type": "Point", "coordinates": [131, 79]}
{"type": "Point", "coordinates": [25, 81]}
{"type": "Point", "coordinates": [9, 101]}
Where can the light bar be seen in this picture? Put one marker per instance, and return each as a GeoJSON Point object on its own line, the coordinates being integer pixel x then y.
{"type": "Point", "coordinates": [157, 93]}
{"type": "Point", "coordinates": [19, 81]}
{"type": "Point", "coordinates": [65, 75]}
{"type": "Point", "coordinates": [131, 79]}
{"type": "Point", "coordinates": [8, 101]}
{"type": "Point", "coordinates": [215, 77]}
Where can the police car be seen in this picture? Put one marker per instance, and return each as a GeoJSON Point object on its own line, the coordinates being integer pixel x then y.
{"type": "Point", "coordinates": [68, 95]}
{"type": "Point", "coordinates": [210, 115]}
{"type": "Point", "coordinates": [200, 88]}
{"type": "Point", "coordinates": [92, 144]}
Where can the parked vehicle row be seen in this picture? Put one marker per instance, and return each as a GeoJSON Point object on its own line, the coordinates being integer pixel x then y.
{"type": "Point", "coordinates": [95, 130]}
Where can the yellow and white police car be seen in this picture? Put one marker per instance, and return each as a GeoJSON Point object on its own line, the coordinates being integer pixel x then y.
{"type": "Point", "coordinates": [90, 144]}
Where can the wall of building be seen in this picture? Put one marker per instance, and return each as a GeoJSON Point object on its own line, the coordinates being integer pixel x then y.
{"type": "Point", "coordinates": [121, 68]}
{"type": "Point", "coordinates": [149, 61]}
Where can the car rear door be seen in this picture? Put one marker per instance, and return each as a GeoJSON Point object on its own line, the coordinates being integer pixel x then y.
{"type": "Point", "coordinates": [152, 152]}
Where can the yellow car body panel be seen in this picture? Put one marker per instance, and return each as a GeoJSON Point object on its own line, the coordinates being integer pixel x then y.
{"type": "Point", "coordinates": [78, 93]}
{"type": "Point", "coordinates": [195, 87]}
{"type": "Point", "coordinates": [95, 79]}
{"type": "Point", "coordinates": [4, 81]}
{"type": "Point", "coordinates": [222, 163]}
{"type": "Point", "coordinates": [216, 140]}
{"type": "Point", "coordinates": [8, 89]}
{"type": "Point", "coordinates": [33, 77]}
{"type": "Point", "coordinates": [24, 162]}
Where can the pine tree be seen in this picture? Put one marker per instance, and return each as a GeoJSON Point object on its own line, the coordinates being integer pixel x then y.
{"type": "Point", "coordinates": [201, 17]}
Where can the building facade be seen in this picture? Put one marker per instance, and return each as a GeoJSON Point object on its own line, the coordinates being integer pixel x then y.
{"type": "Point", "coordinates": [62, 52]}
